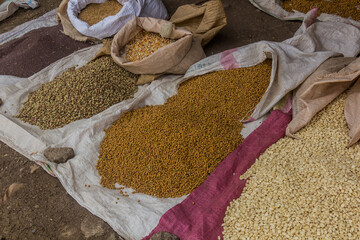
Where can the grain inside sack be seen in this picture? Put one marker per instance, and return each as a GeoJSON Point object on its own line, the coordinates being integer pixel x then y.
{"type": "Point", "coordinates": [302, 189]}
{"type": "Point", "coordinates": [348, 8]}
{"type": "Point", "coordinates": [78, 93]}
{"type": "Point", "coordinates": [96, 12]}
{"type": "Point", "coordinates": [144, 44]}
{"type": "Point", "coordinates": [169, 150]}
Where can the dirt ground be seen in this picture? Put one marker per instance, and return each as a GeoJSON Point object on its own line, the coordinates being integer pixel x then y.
{"type": "Point", "coordinates": [36, 206]}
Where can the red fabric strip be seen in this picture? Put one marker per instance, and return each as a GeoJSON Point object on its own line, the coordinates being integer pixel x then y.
{"type": "Point", "coordinates": [228, 60]}
{"type": "Point", "coordinates": [201, 214]}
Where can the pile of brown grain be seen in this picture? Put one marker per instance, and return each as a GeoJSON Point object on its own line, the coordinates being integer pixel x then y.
{"type": "Point", "coordinates": [169, 150]}
{"type": "Point", "coordinates": [78, 93]}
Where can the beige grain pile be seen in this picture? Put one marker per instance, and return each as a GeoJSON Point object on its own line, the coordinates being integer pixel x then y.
{"type": "Point", "coordinates": [302, 189]}
{"type": "Point", "coordinates": [96, 12]}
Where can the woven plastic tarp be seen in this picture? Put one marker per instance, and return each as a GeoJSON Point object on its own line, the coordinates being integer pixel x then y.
{"type": "Point", "coordinates": [274, 8]}
{"type": "Point", "coordinates": [292, 61]}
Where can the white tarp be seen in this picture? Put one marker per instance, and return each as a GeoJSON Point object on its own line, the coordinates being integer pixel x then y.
{"type": "Point", "coordinates": [293, 60]}
{"type": "Point", "coordinates": [8, 7]}
{"type": "Point", "coordinates": [274, 8]}
{"type": "Point", "coordinates": [109, 26]}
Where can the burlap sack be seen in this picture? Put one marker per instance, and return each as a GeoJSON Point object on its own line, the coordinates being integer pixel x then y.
{"type": "Point", "coordinates": [173, 58]}
{"type": "Point", "coordinates": [142, 79]}
{"type": "Point", "coordinates": [352, 112]}
{"type": "Point", "coordinates": [105, 50]}
{"type": "Point", "coordinates": [68, 28]}
{"type": "Point", "coordinates": [331, 78]}
{"type": "Point", "coordinates": [204, 21]}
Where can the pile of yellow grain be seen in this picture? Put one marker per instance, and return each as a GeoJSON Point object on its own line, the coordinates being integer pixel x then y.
{"type": "Point", "coordinates": [144, 44]}
{"type": "Point", "coordinates": [169, 150]}
{"type": "Point", "coordinates": [343, 8]}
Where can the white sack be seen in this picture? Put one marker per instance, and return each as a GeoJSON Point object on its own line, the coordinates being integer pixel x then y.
{"type": "Point", "coordinates": [275, 9]}
{"type": "Point", "coordinates": [129, 218]}
{"type": "Point", "coordinates": [112, 24]}
{"type": "Point", "coordinates": [8, 7]}
{"type": "Point", "coordinates": [46, 20]}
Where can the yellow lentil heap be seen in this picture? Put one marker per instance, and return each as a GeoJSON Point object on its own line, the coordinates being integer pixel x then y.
{"type": "Point", "coordinates": [95, 12]}
{"type": "Point", "coordinates": [78, 94]}
{"type": "Point", "coordinates": [169, 150]}
{"type": "Point", "coordinates": [343, 8]}
{"type": "Point", "coordinates": [302, 189]}
{"type": "Point", "coordinates": [144, 44]}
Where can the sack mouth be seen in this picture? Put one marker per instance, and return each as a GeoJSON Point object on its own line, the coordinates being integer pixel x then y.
{"type": "Point", "coordinates": [109, 25]}
{"type": "Point", "coordinates": [168, 55]}
{"type": "Point", "coordinates": [80, 7]}
{"type": "Point", "coordinates": [122, 52]}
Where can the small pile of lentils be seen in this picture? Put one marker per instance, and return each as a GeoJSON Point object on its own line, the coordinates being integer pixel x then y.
{"type": "Point", "coordinates": [347, 8]}
{"type": "Point", "coordinates": [144, 44]}
{"type": "Point", "coordinates": [78, 93]}
{"type": "Point", "coordinates": [302, 189]}
{"type": "Point", "coordinates": [169, 150]}
{"type": "Point", "coordinates": [96, 12]}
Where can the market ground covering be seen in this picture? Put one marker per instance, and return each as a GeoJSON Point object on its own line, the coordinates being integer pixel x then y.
{"type": "Point", "coordinates": [41, 208]}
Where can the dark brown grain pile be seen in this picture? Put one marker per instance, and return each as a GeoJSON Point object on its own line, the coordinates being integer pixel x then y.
{"type": "Point", "coordinates": [37, 49]}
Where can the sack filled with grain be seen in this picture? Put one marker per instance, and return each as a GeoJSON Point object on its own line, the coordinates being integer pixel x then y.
{"type": "Point", "coordinates": [103, 18]}
{"type": "Point", "coordinates": [332, 78]}
{"type": "Point", "coordinates": [139, 48]}
{"type": "Point", "coordinates": [332, 11]}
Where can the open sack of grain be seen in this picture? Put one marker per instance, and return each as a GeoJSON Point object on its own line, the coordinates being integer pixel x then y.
{"type": "Point", "coordinates": [332, 78]}
{"type": "Point", "coordinates": [98, 19]}
{"type": "Point", "coordinates": [139, 48]}
{"type": "Point", "coordinates": [134, 215]}
{"type": "Point", "coordinates": [8, 7]}
{"type": "Point", "coordinates": [332, 11]}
